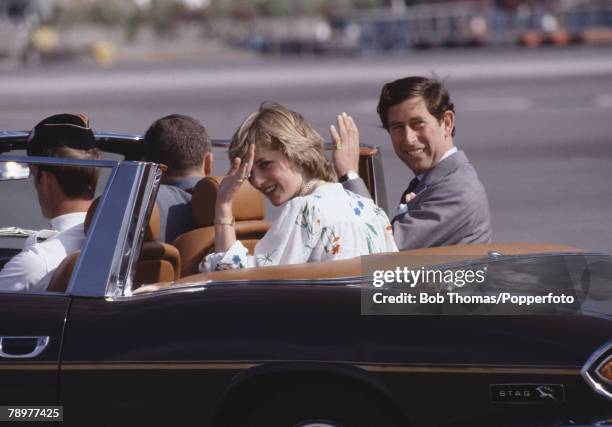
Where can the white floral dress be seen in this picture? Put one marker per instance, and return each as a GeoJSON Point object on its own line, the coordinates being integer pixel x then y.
{"type": "Point", "coordinates": [330, 224]}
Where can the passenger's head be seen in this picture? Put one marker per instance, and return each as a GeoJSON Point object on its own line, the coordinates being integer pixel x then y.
{"type": "Point", "coordinates": [69, 136]}
{"type": "Point", "coordinates": [420, 118]}
{"type": "Point", "coordinates": [288, 152]}
{"type": "Point", "coordinates": [181, 143]}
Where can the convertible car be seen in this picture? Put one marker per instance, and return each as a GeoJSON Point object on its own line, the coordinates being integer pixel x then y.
{"type": "Point", "coordinates": [129, 332]}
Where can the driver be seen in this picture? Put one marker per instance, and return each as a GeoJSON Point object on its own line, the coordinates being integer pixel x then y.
{"type": "Point", "coordinates": [64, 194]}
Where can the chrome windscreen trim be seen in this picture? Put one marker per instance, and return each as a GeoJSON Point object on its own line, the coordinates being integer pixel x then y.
{"type": "Point", "coordinates": [586, 374]}
{"type": "Point", "coordinates": [142, 193]}
{"type": "Point", "coordinates": [98, 266]}
{"type": "Point", "coordinates": [150, 181]}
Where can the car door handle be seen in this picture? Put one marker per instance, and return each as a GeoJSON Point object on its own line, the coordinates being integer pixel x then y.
{"type": "Point", "coordinates": [8, 345]}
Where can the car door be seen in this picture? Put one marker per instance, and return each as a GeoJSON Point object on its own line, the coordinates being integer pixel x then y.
{"type": "Point", "coordinates": [31, 332]}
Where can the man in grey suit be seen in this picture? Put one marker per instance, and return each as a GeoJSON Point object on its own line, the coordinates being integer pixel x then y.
{"type": "Point", "coordinates": [445, 204]}
{"type": "Point", "coordinates": [181, 143]}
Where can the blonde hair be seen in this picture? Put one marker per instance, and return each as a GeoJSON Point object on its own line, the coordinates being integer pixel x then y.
{"type": "Point", "coordinates": [276, 127]}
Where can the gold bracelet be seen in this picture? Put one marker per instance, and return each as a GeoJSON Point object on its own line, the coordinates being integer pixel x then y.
{"type": "Point", "coordinates": [225, 221]}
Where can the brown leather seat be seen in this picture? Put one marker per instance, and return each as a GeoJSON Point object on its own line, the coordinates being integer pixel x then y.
{"type": "Point", "coordinates": [249, 211]}
{"type": "Point", "coordinates": [158, 261]}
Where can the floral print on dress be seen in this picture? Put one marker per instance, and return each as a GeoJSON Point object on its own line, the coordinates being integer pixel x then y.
{"type": "Point", "coordinates": [308, 219]}
{"type": "Point", "coordinates": [235, 263]}
{"type": "Point", "coordinates": [265, 259]}
{"type": "Point", "coordinates": [330, 241]}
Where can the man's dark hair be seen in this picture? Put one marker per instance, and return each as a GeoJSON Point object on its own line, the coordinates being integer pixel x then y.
{"type": "Point", "coordinates": [178, 141]}
{"type": "Point", "coordinates": [436, 97]}
{"type": "Point", "coordinates": [76, 182]}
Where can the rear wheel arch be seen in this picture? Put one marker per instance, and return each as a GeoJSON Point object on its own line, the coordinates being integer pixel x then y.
{"type": "Point", "coordinates": [248, 396]}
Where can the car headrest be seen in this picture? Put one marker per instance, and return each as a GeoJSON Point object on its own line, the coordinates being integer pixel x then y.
{"type": "Point", "coordinates": [152, 232]}
{"type": "Point", "coordinates": [248, 204]}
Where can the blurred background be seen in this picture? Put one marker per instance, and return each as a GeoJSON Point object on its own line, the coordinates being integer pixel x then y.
{"type": "Point", "coordinates": [116, 30]}
{"type": "Point", "coordinates": [531, 82]}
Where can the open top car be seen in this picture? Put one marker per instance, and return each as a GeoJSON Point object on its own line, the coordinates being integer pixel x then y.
{"type": "Point", "coordinates": [129, 331]}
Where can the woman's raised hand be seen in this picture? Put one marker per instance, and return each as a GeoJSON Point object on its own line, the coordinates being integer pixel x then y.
{"type": "Point", "coordinates": [240, 171]}
{"type": "Point", "coordinates": [346, 140]}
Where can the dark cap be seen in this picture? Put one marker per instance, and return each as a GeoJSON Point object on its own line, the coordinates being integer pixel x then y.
{"type": "Point", "coordinates": [61, 130]}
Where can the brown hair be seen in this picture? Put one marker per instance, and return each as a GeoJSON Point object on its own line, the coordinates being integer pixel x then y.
{"type": "Point", "coordinates": [76, 182]}
{"type": "Point", "coordinates": [436, 97]}
{"type": "Point", "coordinates": [278, 128]}
{"type": "Point", "coordinates": [178, 141]}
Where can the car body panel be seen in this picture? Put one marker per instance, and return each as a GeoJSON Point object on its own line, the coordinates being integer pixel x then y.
{"type": "Point", "coordinates": [212, 343]}
{"type": "Point", "coordinates": [212, 334]}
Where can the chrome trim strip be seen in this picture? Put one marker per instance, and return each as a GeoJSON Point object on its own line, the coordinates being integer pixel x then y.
{"type": "Point", "coordinates": [22, 136]}
{"type": "Point", "coordinates": [333, 281]}
{"type": "Point", "coordinates": [59, 161]}
{"type": "Point", "coordinates": [156, 365]}
{"type": "Point", "coordinates": [473, 370]}
{"type": "Point", "coordinates": [204, 285]}
{"type": "Point", "coordinates": [117, 136]}
{"type": "Point", "coordinates": [216, 365]}
{"type": "Point", "coordinates": [13, 134]}
{"type": "Point", "coordinates": [28, 367]}
{"type": "Point", "coordinates": [587, 366]}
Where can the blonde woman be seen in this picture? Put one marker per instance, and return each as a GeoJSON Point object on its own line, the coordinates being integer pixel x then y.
{"type": "Point", "coordinates": [281, 155]}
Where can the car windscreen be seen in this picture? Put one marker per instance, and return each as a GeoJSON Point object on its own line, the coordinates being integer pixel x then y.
{"type": "Point", "coordinates": [28, 205]}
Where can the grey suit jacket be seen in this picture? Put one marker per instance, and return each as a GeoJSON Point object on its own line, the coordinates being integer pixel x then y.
{"type": "Point", "coordinates": [450, 208]}
{"type": "Point", "coordinates": [174, 202]}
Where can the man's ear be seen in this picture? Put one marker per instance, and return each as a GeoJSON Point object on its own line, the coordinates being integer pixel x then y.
{"type": "Point", "coordinates": [448, 123]}
{"type": "Point", "coordinates": [42, 178]}
{"type": "Point", "coordinates": [48, 181]}
{"type": "Point", "coordinates": [207, 164]}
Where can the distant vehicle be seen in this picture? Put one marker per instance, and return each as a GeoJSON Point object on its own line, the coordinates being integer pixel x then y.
{"type": "Point", "coordinates": [129, 332]}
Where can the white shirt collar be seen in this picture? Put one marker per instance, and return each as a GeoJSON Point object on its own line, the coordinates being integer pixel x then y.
{"type": "Point", "coordinates": [448, 153]}
{"type": "Point", "coordinates": [66, 221]}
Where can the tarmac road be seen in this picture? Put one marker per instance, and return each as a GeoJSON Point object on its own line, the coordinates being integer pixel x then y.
{"type": "Point", "coordinates": [536, 124]}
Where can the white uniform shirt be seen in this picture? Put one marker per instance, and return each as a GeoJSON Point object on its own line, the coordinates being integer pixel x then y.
{"type": "Point", "coordinates": [32, 268]}
{"type": "Point", "coordinates": [330, 224]}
